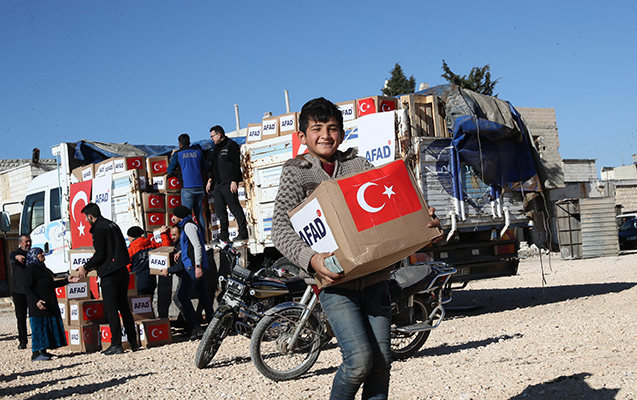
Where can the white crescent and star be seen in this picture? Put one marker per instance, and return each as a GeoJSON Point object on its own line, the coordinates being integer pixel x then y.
{"type": "Point", "coordinates": [362, 202]}
{"type": "Point", "coordinates": [174, 201]}
{"type": "Point", "coordinates": [105, 335]}
{"type": "Point", "coordinates": [364, 107]}
{"type": "Point", "coordinates": [157, 167]}
{"type": "Point", "coordinates": [152, 333]}
{"type": "Point", "coordinates": [137, 163]}
{"type": "Point", "coordinates": [154, 219]}
{"type": "Point", "coordinates": [154, 201]}
{"type": "Point", "coordinates": [90, 312]}
{"type": "Point", "coordinates": [78, 196]}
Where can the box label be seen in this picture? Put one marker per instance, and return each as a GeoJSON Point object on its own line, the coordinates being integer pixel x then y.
{"type": "Point", "coordinates": [75, 337]}
{"type": "Point", "coordinates": [254, 133]}
{"type": "Point", "coordinates": [288, 123]}
{"type": "Point", "coordinates": [141, 305]}
{"type": "Point", "coordinates": [77, 290]}
{"type": "Point", "coordinates": [269, 128]}
{"type": "Point", "coordinates": [348, 111]}
{"type": "Point", "coordinates": [75, 312]}
{"type": "Point", "coordinates": [312, 227]}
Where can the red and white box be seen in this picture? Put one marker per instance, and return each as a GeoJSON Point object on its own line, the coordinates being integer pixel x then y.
{"type": "Point", "coordinates": [74, 291]}
{"type": "Point", "coordinates": [122, 164]}
{"type": "Point", "coordinates": [154, 332]}
{"type": "Point", "coordinates": [155, 202]}
{"type": "Point", "coordinates": [160, 258]}
{"type": "Point", "coordinates": [141, 307]}
{"type": "Point", "coordinates": [173, 184]}
{"type": "Point", "coordinates": [157, 165]}
{"type": "Point", "coordinates": [154, 220]}
{"type": "Point", "coordinates": [348, 109]}
{"type": "Point", "coordinates": [86, 312]}
{"type": "Point", "coordinates": [173, 200]}
{"type": "Point", "coordinates": [106, 337]}
{"type": "Point", "coordinates": [83, 338]}
{"type": "Point", "coordinates": [374, 104]}
{"type": "Point", "coordinates": [79, 257]}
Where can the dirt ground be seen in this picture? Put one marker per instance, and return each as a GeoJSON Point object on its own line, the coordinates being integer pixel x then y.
{"type": "Point", "coordinates": [566, 333]}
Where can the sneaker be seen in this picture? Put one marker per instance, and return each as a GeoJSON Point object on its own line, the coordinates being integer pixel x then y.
{"type": "Point", "coordinates": [40, 357]}
{"type": "Point", "coordinates": [22, 346]}
{"type": "Point", "coordinates": [113, 350]}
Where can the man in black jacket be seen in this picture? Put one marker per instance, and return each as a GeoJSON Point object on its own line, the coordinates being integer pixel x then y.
{"type": "Point", "coordinates": [225, 177]}
{"type": "Point", "coordinates": [18, 264]}
{"type": "Point", "coordinates": [110, 259]}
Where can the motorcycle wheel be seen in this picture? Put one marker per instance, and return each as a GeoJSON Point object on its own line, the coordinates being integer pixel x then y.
{"type": "Point", "coordinates": [211, 341]}
{"type": "Point", "coordinates": [268, 338]}
{"type": "Point", "coordinates": [405, 345]}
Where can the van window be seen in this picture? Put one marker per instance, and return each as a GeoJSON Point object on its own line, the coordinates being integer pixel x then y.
{"type": "Point", "coordinates": [54, 212]}
{"type": "Point", "coordinates": [32, 213]}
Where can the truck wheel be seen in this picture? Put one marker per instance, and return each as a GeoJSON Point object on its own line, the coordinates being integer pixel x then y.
{"type": "Point", "coordinates": [404, 345]}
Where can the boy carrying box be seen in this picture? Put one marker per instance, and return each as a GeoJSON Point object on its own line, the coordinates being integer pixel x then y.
{"type": "Point", "coordinates": [358, 310]}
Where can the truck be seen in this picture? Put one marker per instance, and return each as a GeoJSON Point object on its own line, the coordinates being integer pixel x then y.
{"type": "Point", "coordinates": [473, 158]}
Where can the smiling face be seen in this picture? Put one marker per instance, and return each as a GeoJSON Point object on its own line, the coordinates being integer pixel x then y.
{"type": "Point", "coordinates": [322, 138]}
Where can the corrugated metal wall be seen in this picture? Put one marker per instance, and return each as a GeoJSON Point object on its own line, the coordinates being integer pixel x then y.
{"type": "Point", "coordinates": [599, 229]}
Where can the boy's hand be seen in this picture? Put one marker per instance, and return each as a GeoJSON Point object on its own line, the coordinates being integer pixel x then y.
{"type": "Point", "coordinates": [435, 223]}
{"type": "Point", "coordinates": [317, 263]}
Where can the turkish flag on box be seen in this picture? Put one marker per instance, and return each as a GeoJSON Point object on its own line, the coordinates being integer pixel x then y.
{"type": "Point", "coordinates": [154, 332]}
{"type": "Point", "coordinates": [173, 183]}
{"type": "Point", "coordinates": [153, 202]}
{"type": "Point", "coordinates": [369, 220]}
{"type": "Point", "coordinates": [86, 312]}
{"type": "Point", "coordinates": [374, 104]}
{"type": "Point", "coordinates": [157, 165]}
{"type": "Point", "coordinates": [154, 220]}
{"type": "Point", "coordinates": [106, 337]}
{"type": "Point", "coordinates": [172, 201]}
{"type": "Point", "coordinates": [80, 196]}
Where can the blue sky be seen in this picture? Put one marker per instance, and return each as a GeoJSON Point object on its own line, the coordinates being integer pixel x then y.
{"type": "Point", "coordinates": [144, 72]}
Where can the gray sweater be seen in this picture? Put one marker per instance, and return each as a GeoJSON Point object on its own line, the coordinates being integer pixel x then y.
{"type": "Point", "coordinates": [299, 177]}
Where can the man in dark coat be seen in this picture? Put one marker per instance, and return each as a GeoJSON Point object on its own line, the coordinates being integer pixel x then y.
{"type": "Point", "coordinates": [110, 260]}
{"type": "Point", "coordinates": [18, 265]}
{"type": "Point", "coordinates": [224, 180]}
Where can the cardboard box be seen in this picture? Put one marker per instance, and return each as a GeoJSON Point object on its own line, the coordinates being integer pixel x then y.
{"type": "Point", "coordinates": [83, 338]}
{"type": "Point", "coordinates": [270, 128]}
{"type": "Point", "coordinates": [374, 104]}
{"type": "Point", "coordinates": [141, 307]}
{"type": "Point", "coordinates": [74, 291]}
{"type": "Point", "coordinates": [254, 132]}
{"type": "Point", "coordinates": [370, 220]}
{"type": "Point", "coordinates": [232, 233]}
{"type": "Point", "coordinates": [160, 258]}
{"type": "Point", "coordinates": [155, 202]}
{"type": "Point", "coordinates": [77, 173]}
{"type": "Point", "coordinates": [132, 285]}
{"type": "Point", "coordinates": [154, 220]}
{"type": "Point", "coordinates": [105, 337]}
{"type": "Point", "coordinates": [165, 183]}
{"type": "Point", "coordinates": [104, 168]}
{"type": "Point", "coordinates": [348, 109]}
{"type": "Point", "coordinates": [86, 312]}
{"type": "Point", "coordinates": [63, 304]}
{"type": "Point", "coordinates": [154, 332]}
{"type": "Point", "coordinates": [122, 164]}
{"type": "Point", "coordinates": [157, 165]}
{"type": "Point", "coordinates": [288, 123]}
{"type": "Point", "coordinates": [173, 184]}
{"type": "Point", "coordinates": [79, 256]}
{"type": "Point", "coordinates": [173, 200]}
{"type": "Point", "coordinates": [88, 172]}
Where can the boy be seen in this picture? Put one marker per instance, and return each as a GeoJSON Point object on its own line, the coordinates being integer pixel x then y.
{"type": "Point", "coordinates": [359, 310]}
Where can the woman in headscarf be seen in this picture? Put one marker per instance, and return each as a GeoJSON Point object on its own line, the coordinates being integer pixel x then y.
{"type": "Point", "coordinates": [47, 330]}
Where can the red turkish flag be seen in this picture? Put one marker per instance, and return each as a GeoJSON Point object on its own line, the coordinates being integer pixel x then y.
{"type": "Point", "coordinates": [105, 333]}
{"type": "Point", "coordinates": [80, 197]}
{"type": "Point", "coordinates": [60, 292]}
{"type": "Point", "coordinates": [366, 107]}
{"type": "Point", "coordinates": [174, 200]}
{"type": "Point", "coordinates": [173, 183]}
{"type": "Point", "coordinates": [93, 311]}
{"type": "Point", "coordinates": [158, 332]}
{"type": "Point", "coordinates": [380, 195]}
{"type": "Point", "coordinates": [159, 167]}
{"type": "Point", "coordinates": [155, 201]}
{"type": "Point", "coordinates": [88, 334]}
{"type": "Point", "coordinates": [134, 162]}
{"type": "Point", "coordinates": [387, 105]}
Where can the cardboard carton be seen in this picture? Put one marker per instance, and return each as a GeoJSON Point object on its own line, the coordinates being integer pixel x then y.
{"type": "Point", "coordinates": [288, 123]}
{"type": "Point", "coordinates": [155, 202]}
{"type": "Point", "coordinates": [83, 338]}
{"type": "Point", "coordinates": [74, 291]}
{"type": "Point", "coordinates": [173, 200]}
{"type": "Point", "coordinates": [132, 285]}
{"type": "Point", "coordinates": [79, 256]}
{"type": "Point", "coordinates": [348, 109]}
{"type": "Point", "coordinates": [157, 165]}
{"type": "Point", "coordinates": [106, 167]}
{"type": "Point", "coordinates": [105, 337]}
{"type": "Point", "coordinates": [77, 173]}
{"type": "Point", "coordinates": [154, 332]}
{"type": "Point", "coordinates": [165, 183]}
{"type": "Point", "coordinates": [122, 164]}
{"type": "Point", "coordinates": [154, 220]}
{"type": "Point", "coordinates": [63, 304]}
{"type": "Point", "coordinates": [160, 258]}
{"type": "Point", "coordinates": [88, 172]}
{"type": "Point", "coordinates": [86, 312]}
{"type": "Point", "coordinates": [141, 307]}
{"type": "Point", "coordinates": [374, 104]}
{"type": "Point", "coordinates": [173, 184]}
{"type": "Point", "coordinates": [254, 132]}
{"type": "Point", "coordinates": [270, 128]}
{"type": "Point", "coordinates": [369, 220]}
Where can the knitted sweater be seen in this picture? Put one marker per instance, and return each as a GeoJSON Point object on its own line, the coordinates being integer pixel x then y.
{"type": "Point", "coordinates": [299, 177]}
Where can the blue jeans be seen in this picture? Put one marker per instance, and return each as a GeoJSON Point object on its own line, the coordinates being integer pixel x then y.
{"type": "Point", "coordinates": [182, 297]}
{"type": "Point", "coordinates": [361, 322]}
{"type": "Point", "coordinates": [192, 198]}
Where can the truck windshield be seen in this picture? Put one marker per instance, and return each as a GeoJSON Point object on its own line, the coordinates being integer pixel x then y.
{"type": "Point", "coordinates": [32, 213]}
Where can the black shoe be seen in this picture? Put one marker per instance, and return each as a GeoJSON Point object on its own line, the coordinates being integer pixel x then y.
{"type": "Point", "coordinates": [135, 348]}
{"type": "Point", "coordinates": [241, 238]}
{"type": "Point", "coordinates": [46, 353]}
{"type": "Point", "coordinates": [37, 356]}
{"type": "Point", "coordinates": [196, 334]}
{"type": "Point", "coordinates": [113, 350]}
{"type": "Point", "coordinates": [22, 346]}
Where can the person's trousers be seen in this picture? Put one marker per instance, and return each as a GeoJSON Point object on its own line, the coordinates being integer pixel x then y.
{"type": "Point", "coordinates": [225, 198]}
{"type": "Point", "coordinates": [192, 198]}
{"type": "Point", "coordinates": [164, 295]}
{"type": "Point", "coordinates": [361, 322]}
{"type": "Point", "coordinates": [182, 298]}
{"type": "Point", "coordinates": [115, 295]}
{"type": "Point", "coordinates": [21, 306]}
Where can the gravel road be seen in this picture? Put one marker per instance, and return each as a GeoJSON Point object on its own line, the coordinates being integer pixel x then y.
{"type": "Point", "coordinates": [572, 337]}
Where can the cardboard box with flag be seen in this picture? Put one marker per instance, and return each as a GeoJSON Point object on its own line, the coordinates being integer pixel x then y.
{"type": "Point", "coordinates": [369, 220]}
{"type": "Point", "coordinates": [83, 338]}
{"type": "Point", "coordinates": [86, 312]}
{"type": "Point", "coordinates": [154, 332]}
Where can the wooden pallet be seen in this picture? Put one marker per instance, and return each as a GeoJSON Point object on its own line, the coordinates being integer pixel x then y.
{"type": "Point", "coordinates": [426, 115]}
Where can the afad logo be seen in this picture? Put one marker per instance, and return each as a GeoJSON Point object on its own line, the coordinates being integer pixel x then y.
{"type": "Point", "coordinates": [159, 263]}
{"type": "Point", "coordinates": [313, 231]}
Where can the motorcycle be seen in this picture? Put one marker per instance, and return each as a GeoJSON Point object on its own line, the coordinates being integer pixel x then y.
{"type": "Point", "coordinates": [245, 299]}
{"type": "Point", "coordinates": [288, 339]}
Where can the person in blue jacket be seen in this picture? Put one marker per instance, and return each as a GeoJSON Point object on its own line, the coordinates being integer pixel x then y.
{"type": "Point", "coordinates": [195, 263]}
{"type": "Point", "coordinates": [191, 167]}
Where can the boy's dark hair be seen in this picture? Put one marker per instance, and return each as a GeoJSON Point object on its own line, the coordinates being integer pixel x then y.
{"type": "Point", "coordinates": [92, 209]}
{"type": "Point", "coordinates": [218, 129]}
{"type": "Point", "coordinates": [184, 139]}
{"type": "Point", "coordinates": [320, 110]}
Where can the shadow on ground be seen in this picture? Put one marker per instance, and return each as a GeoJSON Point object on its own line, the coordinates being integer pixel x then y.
{"type": "Point", "coordinates": [566, 387]}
